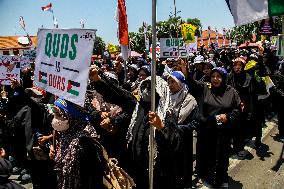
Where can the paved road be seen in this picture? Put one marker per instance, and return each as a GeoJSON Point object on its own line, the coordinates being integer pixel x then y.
{"type": "Point", "coordinates": [260, 168]}
{"type": "Point", "coordinates": [253, 173]}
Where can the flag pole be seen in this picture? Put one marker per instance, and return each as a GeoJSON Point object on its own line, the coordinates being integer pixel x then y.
{"type": "Point", "coordinates": [53, 18]}
{"type": "Point", "coordinates": [153, 92]}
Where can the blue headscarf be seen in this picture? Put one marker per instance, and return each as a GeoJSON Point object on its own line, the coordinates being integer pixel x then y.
{"type": "Point", "coordinates": [71, 109]}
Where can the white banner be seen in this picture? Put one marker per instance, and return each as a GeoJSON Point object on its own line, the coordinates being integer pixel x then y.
{"type": "Point", "coordinates": [31, 54]}
{"type": "Point", "coordinates": [63, 61]}
{"type": "Point", "coordinates": [175, 47]}
{"type": "Point", "coordinates": [10, 67]}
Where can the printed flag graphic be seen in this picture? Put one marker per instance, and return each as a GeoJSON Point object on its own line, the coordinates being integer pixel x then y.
{"type": "Point", "coordinates": [72, 88]}
{"type": "Point", "coordinates": [42, 77]}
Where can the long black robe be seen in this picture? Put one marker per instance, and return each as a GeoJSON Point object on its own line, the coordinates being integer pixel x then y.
{"type": "Point", "coordinates": [213, 141]}
{"type": "Point", "coordinates": [173, 168]}
{"type": "Point", "coordinates": [246, 127]}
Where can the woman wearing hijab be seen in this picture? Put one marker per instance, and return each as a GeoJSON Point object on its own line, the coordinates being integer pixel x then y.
{"type": "Point", "coordinates": [242, 82]}
{"type": "Point", "coordinates": [169, 141]}
{"type": "Point", "coordinates": [182, 101]}
{"type": "Point", "coordinates": [79, 163]}
{"type": "Point", "coordinates": [219, 108]}
{"type": "Point", "coordinates": [111, 119]}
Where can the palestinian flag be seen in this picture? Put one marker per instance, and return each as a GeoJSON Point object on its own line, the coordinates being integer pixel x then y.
{"type": "Point", "coordinates": [47, 7]}
{"type": "Point", "coordinates": [248, 11]}
{"type": "Point", "coordinates": [42, 77]}
{"type": "Point", "coordinates": [72, 88]}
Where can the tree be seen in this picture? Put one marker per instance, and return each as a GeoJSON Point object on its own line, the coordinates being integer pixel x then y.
{"type": "Point", "coordinates": [194, 21]}
{"type": "Point", "coordinates": [197, 23]}
{"type": "Point", "coordinates": [165, 29]}
{"type": "Point", "coordinates": [137, 41]}
{"type": "Point", "coordinates": [169, 28]}
{"type": "Point", "coordinates": [241, 34]}
{"type": "Point", "coordinates": [99, 46]}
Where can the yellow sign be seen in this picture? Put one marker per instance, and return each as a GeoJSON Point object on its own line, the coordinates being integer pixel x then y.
{"type": "Point", "coordinates": [111, 48]}
{"type": "Point", "coordinates": [187, 32]}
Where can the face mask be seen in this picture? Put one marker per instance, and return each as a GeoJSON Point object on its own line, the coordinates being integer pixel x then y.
{"type": "Point", "coordinates": [60, 125]}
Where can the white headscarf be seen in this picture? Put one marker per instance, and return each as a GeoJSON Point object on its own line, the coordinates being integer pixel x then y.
{"type": "Point", "coordinates": [182, 102]}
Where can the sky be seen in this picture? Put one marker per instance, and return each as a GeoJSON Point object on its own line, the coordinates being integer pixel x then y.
{"type": "Point", "coordinates": [100, 14]}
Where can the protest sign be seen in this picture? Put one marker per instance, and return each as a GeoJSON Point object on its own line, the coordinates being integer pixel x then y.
{"type": "Point", "coordinates": [175, 47]}
{"type": "Point", "coordinates": [30, 54]}
{"type": "Point", "coordinates": [62, 62]}
{"type": "Point", "coordinates": [187, 32]}
{"type": "Point", "coordinates": [9, 68]}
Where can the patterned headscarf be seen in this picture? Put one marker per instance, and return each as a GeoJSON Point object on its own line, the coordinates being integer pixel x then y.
{"type": "Point", "coordinates": [164, 103]}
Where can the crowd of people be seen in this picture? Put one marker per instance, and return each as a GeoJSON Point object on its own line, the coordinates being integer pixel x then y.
{"type": "Point", "coordinates": [223, 95]}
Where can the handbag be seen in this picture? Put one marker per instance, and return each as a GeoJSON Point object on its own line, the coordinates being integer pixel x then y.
{"type": "Point", "coordinates": [114, 176]}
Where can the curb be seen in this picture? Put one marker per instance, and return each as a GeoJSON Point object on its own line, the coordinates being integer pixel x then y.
{"type": "Point", "coordinates": [233, 163]}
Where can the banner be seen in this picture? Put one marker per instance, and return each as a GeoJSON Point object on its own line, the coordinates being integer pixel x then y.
{"type": "Point", "coordinates": [175, 47]}
{"type": "Point", "coordinates": [30, 54]}
{"type": "Point", "coordinates": [187, 32]}
{"type": "Point", "coordinates": [10, 68]}
{"type": "Point", "coordinates": [63, 61]}
{"type": "Point", "coordinates": [266, 27]}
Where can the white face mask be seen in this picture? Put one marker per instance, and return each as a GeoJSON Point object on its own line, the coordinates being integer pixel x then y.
{"type": "Point", "coordinates": [60, 125]}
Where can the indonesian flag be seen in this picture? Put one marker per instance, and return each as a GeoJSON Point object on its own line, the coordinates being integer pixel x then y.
{"type": "Point", "coordinates": [248, 11]}
{"type": "Point", "coordinates": [47, 7]}
{"type": "Point", "coordinates": [122, 28]}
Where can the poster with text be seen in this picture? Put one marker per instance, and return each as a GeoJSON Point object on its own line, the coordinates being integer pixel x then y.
{"type": "Point", "coordinates": [10, 68]}
{"type": "Point", "coordinates": [175, 47]}
{"type": "Point", "coordinates": [62, 62]}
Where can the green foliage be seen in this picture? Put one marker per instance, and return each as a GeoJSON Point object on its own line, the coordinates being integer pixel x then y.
{"type": "Point", "coordinates": [165, 29]}
{"type": "Point", "coordinates": [137, 42]}
{"type": "Point", "coordinates": [169, 28]}
{"type": "Point", "coordinates": [241, 34]}
{"type": "Point", "coordinates": [99, 46]}
{"type": "Point", "coordinates": [194, 21]}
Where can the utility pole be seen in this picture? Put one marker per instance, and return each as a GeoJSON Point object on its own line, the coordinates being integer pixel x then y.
{"type": "Point", "coordinates": [176, 25]}
{"type": "Point", "coordinates": [175, 7]}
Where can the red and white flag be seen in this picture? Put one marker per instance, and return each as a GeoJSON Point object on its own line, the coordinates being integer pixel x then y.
{"type": "Point", "coordinates": [122, 28]}
{"type": "Point", "coordinates": [22, 23]}
{"type": "Point", "coordinates": [47, 7]}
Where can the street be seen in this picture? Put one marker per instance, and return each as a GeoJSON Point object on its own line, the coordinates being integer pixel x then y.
{"type": "Point", "coordinates": [260, 168]}
{"type": "Point", "coordinates": [258, 171]}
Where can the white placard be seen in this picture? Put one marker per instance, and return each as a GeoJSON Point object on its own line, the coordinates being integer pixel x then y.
{"type": "Point", "coordinates": [175, 47]}
{"type": "Point", "coordinates": [62, 62]}
{"type": "Point", "coordinates": [10, 67]}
